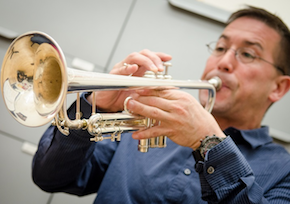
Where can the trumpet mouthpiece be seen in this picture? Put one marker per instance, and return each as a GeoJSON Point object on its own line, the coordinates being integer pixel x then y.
{"type": "Point", "coordinates": [216, 82]}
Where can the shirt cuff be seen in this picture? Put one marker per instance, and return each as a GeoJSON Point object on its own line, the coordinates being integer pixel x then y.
{"type": "Point", "coordinates": [223, 168]}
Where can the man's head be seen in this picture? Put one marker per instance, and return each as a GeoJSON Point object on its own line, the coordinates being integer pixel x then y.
{"type": "Point", "coordinates": [282, 59]}
{"type": "Point", "coordinates": [248, 60]}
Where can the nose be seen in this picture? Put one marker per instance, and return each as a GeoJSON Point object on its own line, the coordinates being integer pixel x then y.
{"type": "Point", "coordinates": [228, 61]}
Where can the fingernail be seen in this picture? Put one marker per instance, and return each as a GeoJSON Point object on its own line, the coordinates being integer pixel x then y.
{"type": "Point", "coordinates": [160, 67]}
{"type": "Point", "coordinates": [135, 94]}
{"type": "Point", "coordinates": [153, 68]}
{"type": "Point", "coordinates": [135, 136]}
{"type": "Point", "coordinates": [140, 92]}
{"type": "Point", "coordinates": [131, 103]}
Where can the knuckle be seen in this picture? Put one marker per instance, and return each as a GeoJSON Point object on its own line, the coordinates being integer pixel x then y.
{"type": "Point", "coordinates": [151, 100]}
{"type": "Point", "coordinates": [155, 113]}
{"type": "Point", "coordinates": [145, 51]}
{"type": "Point", "coordinates": [178, 109]}
{"type": "Point", "coordinates": [153, 132]}
{"type": "Point", "coordinates": [170, 132]}
{"type": "Point", "coordinates": [132, 55]}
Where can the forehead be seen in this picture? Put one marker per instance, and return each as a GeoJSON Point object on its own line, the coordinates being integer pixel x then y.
{"type": "Point", "coordinates": [244, 30]}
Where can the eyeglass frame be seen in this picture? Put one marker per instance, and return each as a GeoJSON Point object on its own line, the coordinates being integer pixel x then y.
{"type": "Point", "coordinates": [212, 51]}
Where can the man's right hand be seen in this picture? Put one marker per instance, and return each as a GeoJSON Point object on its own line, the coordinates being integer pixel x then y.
{"type": "Point", "coordinates": [137, 64]}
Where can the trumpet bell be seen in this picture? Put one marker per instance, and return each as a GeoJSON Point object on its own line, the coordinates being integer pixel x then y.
{"type": "Point", "coordinates": [33, 79]}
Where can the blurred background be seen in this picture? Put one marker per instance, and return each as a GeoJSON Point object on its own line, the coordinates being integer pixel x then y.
{"type": "Point", "coordinates": [96, 34]}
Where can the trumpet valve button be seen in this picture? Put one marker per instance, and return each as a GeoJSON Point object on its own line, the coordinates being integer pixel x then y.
{"type": "Point", "coordinates": [159, 75]}
{"type": "Point", "coordinates": [149, 74]}
{"type": "Point", "coordinates": [167, 64]}
{"type": "Point", "coordinates": [167, 77]}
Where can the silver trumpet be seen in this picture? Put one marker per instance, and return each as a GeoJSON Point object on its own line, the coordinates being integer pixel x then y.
{"type": "Point", "coordinates": [35, 81]}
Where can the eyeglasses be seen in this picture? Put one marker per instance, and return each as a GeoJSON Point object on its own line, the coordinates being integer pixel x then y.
{"type": "Point", "coordinates": [243, 54]}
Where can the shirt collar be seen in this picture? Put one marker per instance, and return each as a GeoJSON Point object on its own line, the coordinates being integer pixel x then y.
{"type": "Point", "coordinates": [255, 138]}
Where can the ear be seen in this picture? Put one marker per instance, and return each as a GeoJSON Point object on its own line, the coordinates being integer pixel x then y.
{"type": "Point", "coordinates": [281, 88]}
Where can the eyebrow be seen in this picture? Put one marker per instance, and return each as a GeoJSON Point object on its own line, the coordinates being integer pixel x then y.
{"type": "Point", "coordinates": [247, 42]}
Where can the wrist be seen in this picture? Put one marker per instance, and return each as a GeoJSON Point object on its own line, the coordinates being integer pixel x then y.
{"type": "Point", "coordinates": [89, 98]}
{"type": "Point", "coordinates": [220, 134]}
{"type": "Point", "coordinates": [206, 144]}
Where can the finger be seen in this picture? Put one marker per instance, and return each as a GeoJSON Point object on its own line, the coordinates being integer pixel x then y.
{"type": "Point", "coordinates": [144, 62]}
{"type": "Point", "coordinates": [147, 111]}
{"type": "Point", "coordinates": [138, 63]}
{"type": "Point", "coordinates": [125, 69]}
{"type": "Point", "coordinates": [157, 58]}
{"type": "Point", "coordinates": [163, 56]}
{"type": "Point", "coordinates": [154, 101]}
{"type": "Point", "coordinates": [170, 94]}
{"type": "Point", "coordinates": [166, 100]}
{"type": "Point", "coordinates": [152, 132]}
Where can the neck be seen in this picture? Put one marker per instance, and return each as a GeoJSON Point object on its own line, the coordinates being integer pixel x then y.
{"type": "Point", "coordinates": [247, 123]}
{"type": "Point", "coordinates": [244, 118]}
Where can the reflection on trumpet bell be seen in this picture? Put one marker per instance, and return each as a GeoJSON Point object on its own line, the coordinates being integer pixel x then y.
{"type": "Point", "coordinates": [26, 71]}
{"type": "Point", "coordinates": [34, 69]}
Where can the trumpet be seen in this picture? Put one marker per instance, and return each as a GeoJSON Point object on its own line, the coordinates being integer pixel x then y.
{"type": "Point", "coordinates": [35, 82]}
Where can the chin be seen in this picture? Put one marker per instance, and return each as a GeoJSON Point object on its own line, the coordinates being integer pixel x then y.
{"type": "Point", "coordinates": [221, 103]}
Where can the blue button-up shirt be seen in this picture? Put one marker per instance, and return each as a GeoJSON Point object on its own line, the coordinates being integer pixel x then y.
{"type": "Point", "coordinates": [245, 168]}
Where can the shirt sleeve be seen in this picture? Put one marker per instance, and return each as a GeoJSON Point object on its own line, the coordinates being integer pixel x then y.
{"type": "Point", "coordinates": [72, 163]}
{"type": "Point", "coordinates": [226, 177]}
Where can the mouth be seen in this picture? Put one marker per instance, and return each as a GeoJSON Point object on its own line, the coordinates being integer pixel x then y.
{"type": "Point", "coordinates": [224, 83]}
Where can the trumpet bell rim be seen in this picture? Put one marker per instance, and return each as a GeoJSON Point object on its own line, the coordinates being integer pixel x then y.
{"type": "Point", "coordinates": [33, 79]}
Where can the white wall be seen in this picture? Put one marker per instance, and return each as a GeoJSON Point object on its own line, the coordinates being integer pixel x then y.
{"type": "Point", "coordinates": [279, 7]}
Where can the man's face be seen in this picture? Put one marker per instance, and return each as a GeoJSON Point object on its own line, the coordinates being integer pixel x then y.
{"type": "Point", "coordinates": [246, 86]}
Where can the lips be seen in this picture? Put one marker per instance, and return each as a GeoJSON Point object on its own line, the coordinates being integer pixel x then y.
{"type": "Point", "coordinates": [224, 85]}
{"type": "Point", "coordinates": [227, 82]}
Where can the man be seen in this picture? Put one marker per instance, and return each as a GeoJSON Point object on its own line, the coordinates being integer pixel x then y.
{"type": "Point", "coordinates": [236, 163]}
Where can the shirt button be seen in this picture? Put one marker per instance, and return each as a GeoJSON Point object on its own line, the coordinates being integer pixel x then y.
{"type": "Point", "coordinates": [210, 170]}
{"type": "Point", "coordinates": [187, 171]}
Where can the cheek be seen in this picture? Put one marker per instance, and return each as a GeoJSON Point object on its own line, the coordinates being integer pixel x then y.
{"type": "Point", "coordinates": [252, 80]}
{"type": "Point", "coordinates": [253, 86]}
{"type": "Point", "coordinates": [209, 66]}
